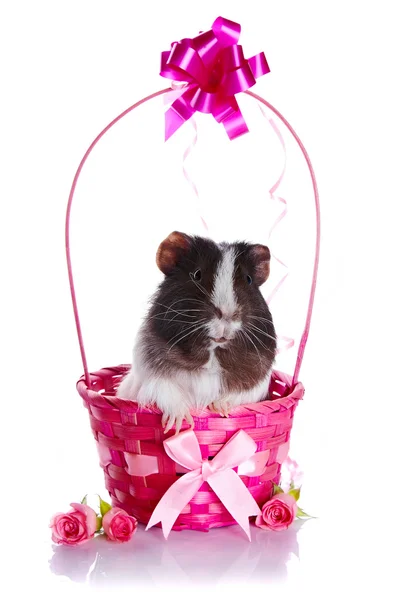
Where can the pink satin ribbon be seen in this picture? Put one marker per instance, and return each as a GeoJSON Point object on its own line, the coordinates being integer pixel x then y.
{"type": "Point", "coordinates": [218, 473]}
{"type": "Point", "coordinates": [253, 467]}
{"type": "Point", "coordinates": [141, 465]}
{"type": "Point", "coordinates": [215, 69]}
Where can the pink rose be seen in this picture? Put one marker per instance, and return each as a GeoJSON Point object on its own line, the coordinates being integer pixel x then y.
{"type": "Point", "coordinates": [75, 526]}
{"type": "Point", "coordinates": [118, 525]}
{"type": "Point", "coordinates": [278, 513]}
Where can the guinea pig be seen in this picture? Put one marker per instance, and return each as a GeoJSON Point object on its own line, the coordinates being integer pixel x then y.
{"type": "Point", "coordinates": [208, 339]}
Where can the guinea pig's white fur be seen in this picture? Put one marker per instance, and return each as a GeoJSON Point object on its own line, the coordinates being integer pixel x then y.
{"type": "Point", "coordinates": [183, 390]}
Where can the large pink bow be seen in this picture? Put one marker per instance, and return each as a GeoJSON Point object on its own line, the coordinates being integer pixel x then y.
{"type": "Point", "coordinates": [218, 473]}
{"type": "Point", "coordinates": [214, 67]}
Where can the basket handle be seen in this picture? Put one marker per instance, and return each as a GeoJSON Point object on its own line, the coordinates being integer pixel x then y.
{"type": "Point", "coordinates": [304, 337]}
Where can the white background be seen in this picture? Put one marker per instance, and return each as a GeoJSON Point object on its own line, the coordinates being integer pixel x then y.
{"type": "Point", "coordinates": [67, 68]}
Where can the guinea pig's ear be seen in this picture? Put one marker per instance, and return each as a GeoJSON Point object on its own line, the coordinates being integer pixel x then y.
{"type": "Point", "coordinates": [261, 256]}
{"type": "Point", "coordinates": [171, 250]}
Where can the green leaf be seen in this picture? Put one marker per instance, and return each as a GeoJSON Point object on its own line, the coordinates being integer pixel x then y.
{"type": "Point", "coordinates": [99, 523]}
{"type": "Point", "coordinates": [300, 513]}
{"type": "Point", "coordinates": [295, 493]}
{"type": "Point", "coordinates": [84, 500]}
{"type": "Point", "coordinates": [104, 506]}
{"type": "Point", "coordinates": [277, 489]}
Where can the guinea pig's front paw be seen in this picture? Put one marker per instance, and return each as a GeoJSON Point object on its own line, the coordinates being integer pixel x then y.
{"type": "Point", "coordinates": [221, 407]}
{"type": "Point", "coordinates": [169, 421]}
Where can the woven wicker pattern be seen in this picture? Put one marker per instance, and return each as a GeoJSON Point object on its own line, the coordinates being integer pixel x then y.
{"type": "Point", "coordinates": [130, 441]}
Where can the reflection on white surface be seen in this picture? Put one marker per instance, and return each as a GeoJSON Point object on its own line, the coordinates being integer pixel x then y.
{"type": "Point", "coordinates": [190, 557]}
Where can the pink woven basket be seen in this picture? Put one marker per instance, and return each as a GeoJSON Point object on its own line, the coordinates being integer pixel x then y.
{"type": "Point", "coordinates": [130, 438]}
{"type": "Point", "coordinates": [122, 429]}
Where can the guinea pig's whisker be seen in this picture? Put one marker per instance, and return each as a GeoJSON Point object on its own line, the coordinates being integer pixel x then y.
{"type": "Point", "coordinates": [251, 341]}
{"type": "Point", "coordinates": [179, 300]}
{"type": "Point", "coordinates": [192, 322]}
{"type": "Point", "coordinates": [241, 334]}
{"type": "Point", "coordinates": [261, 319]}
{"type": "Point", "coordinates": [255, 336]}
{"type": "Point", "coordinates": [260, 322]}
{"type": "Point", "coordinates": [186, 311]}
{"type": "Point", "coordinates": [197, 337]}
{"type": "Point", "coordinates": [165, 312]}
{"type": "Point", "coordinates": [242, 337]}
{"type": "Point", "coordinates": [173, 320]}
{"type": "Point", "coordinates": [191, 326]}
{"type": "Point", "coordinates": [184, 336]}
{"type": "Point", "coordinates": [185, 301]}
{"type": "Point", "coordinates": [193, 310]}
{"type": "Point", "coordinates": [186, 316]}
{"type": "Point", "coordinates": [170, 309]}
{"type": "Point", "coordinates": [258, 340]}
{"type": "Point", "coordinates": [188, 300]}
{"type": "Point", "coordinates": [201, 288]}
{"type": "Point", "coordinates": [179, 312]}
{"type": "Point", "coordinates": [261, 331]}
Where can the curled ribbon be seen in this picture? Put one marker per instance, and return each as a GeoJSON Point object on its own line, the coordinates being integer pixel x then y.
{"type": "Point", "coordinates": [218, 473]}
{"type": "Point", "coordinates": [214, 69]}
{"type": "Point", "coordinates": [284, 342]}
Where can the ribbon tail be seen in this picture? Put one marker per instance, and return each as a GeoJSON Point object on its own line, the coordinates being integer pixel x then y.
{"type": "Point", "coordinates": [173, 120]}
{"type": "Point", "coordinates": [179, 113]}
{"type": "Point", "coordinates": [285, 342]}
{"type": "Point", "coordinates": [174, 501]}
{"type": "Point", "coordinates": [235, 125]}
{"type": "Point", "coordinates": [235, 496]}
{"type": "Point", "coordinates": [188, 150]}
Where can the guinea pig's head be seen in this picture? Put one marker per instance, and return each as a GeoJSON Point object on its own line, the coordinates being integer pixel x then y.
{"type": "Point", "coordinates": [210, 295]}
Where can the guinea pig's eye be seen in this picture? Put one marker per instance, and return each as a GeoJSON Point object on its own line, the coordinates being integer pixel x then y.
{"type": "Point", "coordinates": [249, 279]}
{"type": "Point", "coordinates": [196, 276]}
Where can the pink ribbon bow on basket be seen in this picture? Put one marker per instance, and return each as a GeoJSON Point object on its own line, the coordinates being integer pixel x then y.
{"type": "Point", "coordinates": [218, 473]}
{"type": "Point", "coordinates": [214, 67]}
